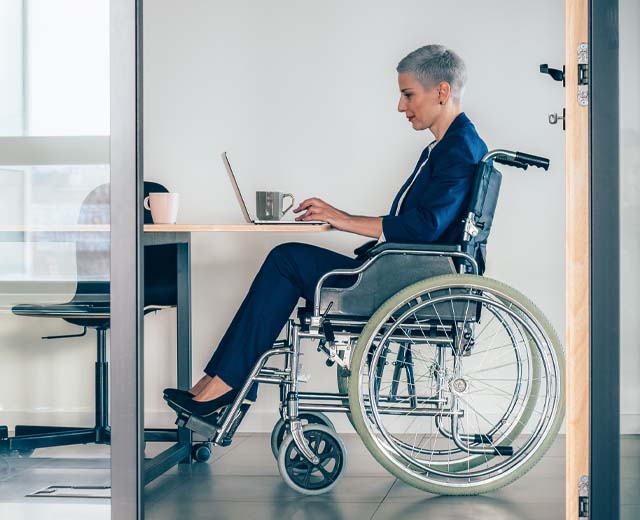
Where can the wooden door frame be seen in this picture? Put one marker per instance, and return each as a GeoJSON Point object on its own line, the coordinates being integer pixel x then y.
{"type": "Point", "coordinates": [592, 261]}
{"type": "Point", "coordinates": [577, 264]}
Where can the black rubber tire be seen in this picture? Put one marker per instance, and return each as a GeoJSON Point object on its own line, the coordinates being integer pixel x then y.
{"type": "Point", "coordinates": [291, 463]}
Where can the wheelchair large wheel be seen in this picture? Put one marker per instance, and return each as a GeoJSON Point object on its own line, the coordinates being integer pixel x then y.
{"type": "Point", "coordinates": [457, 385]}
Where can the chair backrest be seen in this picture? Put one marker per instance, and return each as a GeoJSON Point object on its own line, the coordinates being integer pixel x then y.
{"type": "Point", "coordinates": [481, 211]}
{"type": "Point", "coordinates": [93, 251]}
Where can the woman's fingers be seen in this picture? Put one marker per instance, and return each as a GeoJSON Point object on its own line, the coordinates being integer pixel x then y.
{"type": "Point", "coordinates": [313, 201]}
{"type": "Point", "coordinates": [315, 209]}
{"type": "Point", "coordinates": [314, 213]}
{"type": "Point", "coordinates": [307, 215]}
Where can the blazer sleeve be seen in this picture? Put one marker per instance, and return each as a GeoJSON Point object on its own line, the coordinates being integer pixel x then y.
{"type": "Point", "coordinates": [440, 203]}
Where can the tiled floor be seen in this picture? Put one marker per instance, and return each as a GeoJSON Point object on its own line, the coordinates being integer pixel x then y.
{"type": "Point", "coordinates": [242, 482]}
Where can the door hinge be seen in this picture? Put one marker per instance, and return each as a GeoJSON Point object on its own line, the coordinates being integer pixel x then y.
{"type": "Point", "coordinates": [583, 74]}
{"type": "Point", "coordinates": [583, 497]}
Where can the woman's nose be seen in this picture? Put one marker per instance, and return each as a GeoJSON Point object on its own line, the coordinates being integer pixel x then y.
{"type": "Point", "coordinates": [401, 106]}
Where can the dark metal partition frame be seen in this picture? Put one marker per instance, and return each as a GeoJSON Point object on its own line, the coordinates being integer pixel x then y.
{"type": "Point", "coordinates": [129, 471]}
{"type": "Point", "coordinates": [127, 453]}
{"type": "Point", "coordinates": [605, 260]}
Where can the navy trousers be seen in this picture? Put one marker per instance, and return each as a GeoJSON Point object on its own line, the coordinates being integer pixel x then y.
{"type": "Point", "coordinates": [289, 272]}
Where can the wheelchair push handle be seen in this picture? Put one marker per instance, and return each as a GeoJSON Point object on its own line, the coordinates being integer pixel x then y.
{"type": "Point", "coordinates": [517, 159]}
{"type": "Point", "coordinates": [533, 160]}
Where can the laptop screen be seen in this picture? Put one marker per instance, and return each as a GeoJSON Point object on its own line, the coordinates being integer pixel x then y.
{"type": "Point", "coordinates": [236, 189]}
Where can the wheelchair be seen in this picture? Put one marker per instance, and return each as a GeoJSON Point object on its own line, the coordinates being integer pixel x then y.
{"type": "Point", "coordinates": [453, 381]}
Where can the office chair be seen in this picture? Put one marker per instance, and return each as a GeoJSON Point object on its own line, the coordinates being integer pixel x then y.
{"type": "Point", "coordinates": [90, 308]}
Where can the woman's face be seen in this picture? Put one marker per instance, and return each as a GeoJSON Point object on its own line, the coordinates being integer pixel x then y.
{"type": "Point", "coordinates": [420, 105]}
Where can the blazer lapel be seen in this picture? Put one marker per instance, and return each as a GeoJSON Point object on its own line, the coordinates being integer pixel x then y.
{"type": "Point", "coordinates": [396, 200]}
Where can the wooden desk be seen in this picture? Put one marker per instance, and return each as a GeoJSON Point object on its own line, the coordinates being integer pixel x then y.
{"type": "Point", "coordinates": [73, 232]}
{"type": "Point", "coordinates": [173, 228]}
{"type": "Point", "coordinates": [235, 228]}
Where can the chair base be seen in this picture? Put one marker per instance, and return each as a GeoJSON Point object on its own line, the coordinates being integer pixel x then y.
{"type": "Point", "coordinates": [28, 438]}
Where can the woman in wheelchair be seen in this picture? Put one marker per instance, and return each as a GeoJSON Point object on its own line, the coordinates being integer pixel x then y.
{"type": "Point", "coordinates": [376, 329]}
{"type": "Point", "coordinates": [426, 209]}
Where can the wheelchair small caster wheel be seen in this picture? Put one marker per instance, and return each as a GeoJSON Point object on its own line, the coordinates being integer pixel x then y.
{"type": "Point", "coordinates": [279, 430]}
{"type": "Point", "coordinates": [302, 475]}
{"type": "Point", "coordinates": [201, 452]}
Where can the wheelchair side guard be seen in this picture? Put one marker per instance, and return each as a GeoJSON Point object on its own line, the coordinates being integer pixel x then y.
{"type": "Point", "coordinates": [374, 286]}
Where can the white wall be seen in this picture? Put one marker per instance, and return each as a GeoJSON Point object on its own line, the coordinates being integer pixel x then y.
{"type": "Point", "coordinates": [303, 96]}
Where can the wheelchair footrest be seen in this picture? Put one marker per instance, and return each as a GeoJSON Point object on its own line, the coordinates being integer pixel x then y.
{"type": "Point", "coordinates": [210, 426]}
{"type": "Point", "coordinates": [197, 425]}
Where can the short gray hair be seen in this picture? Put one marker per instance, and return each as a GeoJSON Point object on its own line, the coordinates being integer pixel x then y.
{"type": "Point", "coordinates": [432, 64]}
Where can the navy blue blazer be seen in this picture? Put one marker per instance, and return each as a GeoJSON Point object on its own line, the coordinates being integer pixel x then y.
{"type": "Point", "coordinates": [439, 198]}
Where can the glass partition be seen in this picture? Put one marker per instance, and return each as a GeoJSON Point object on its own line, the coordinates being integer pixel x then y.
{"type": "Point", "coordinates": [629, 253]}
{"type": "Point", "coordinates": [54, 258]}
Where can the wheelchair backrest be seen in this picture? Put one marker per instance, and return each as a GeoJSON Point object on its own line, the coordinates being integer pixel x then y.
{"type": "Point", "coordinates": [481, 210]}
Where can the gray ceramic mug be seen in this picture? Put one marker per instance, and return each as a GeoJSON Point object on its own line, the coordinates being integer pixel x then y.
{"type": "Point", "coordinates": [269, 204]}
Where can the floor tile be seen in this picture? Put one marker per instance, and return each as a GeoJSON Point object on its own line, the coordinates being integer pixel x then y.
{"type": "Point", "coordinates": [629, 491]}
{"type": "Point", "coordinates": [630, 467]}
{"type": "Point", "coordinates": [558, 447]}
{"type": "Point", "coordinates": [39, 478]}
{"type": "Point", "coordinates": [525, 490]}
{"type": "Point", "coordinates": [465, 508]}
{"type": "Point", "coordinates": [629, 512]}
{"type": "Point", "coordinates": [243, 481]}
{"type": "Point", "coordinates": [630, 445]}
{"type": "Point", "coordinates": [296, 510]}
{"type": "Point", "coordinates": [158, 488]}
{"type": "Point", "coordinates": [45, 510]}
{"type": "Point", "coordinates": [273, 489]}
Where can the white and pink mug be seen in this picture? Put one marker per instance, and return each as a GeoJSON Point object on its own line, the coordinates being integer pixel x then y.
{"type": "Point", "coordinates": [163, 207]}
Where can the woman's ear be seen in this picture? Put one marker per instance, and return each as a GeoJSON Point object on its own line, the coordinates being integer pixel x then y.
{"type": "Point", "coordinates": [444, 92]}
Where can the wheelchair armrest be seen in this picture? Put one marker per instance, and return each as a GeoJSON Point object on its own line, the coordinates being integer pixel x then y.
{"type": "Point", "coordinates": [401, 248]}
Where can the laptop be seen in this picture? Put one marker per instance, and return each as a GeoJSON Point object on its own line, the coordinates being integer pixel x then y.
{"type": "Point", "coordinates": [243, 206]}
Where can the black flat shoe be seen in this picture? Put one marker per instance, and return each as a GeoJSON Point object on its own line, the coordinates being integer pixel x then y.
{"type": "Point", "coordinates": [201, 408]}
{"type": "Point", "coordinates": [171, 393]}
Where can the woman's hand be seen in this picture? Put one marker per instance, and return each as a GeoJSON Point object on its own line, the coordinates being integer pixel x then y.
{"type": "Point", "coordinates": [318, 209]}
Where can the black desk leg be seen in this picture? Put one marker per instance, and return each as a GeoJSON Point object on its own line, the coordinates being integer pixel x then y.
{"type": "Point", "coordinates": [184, 330]}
